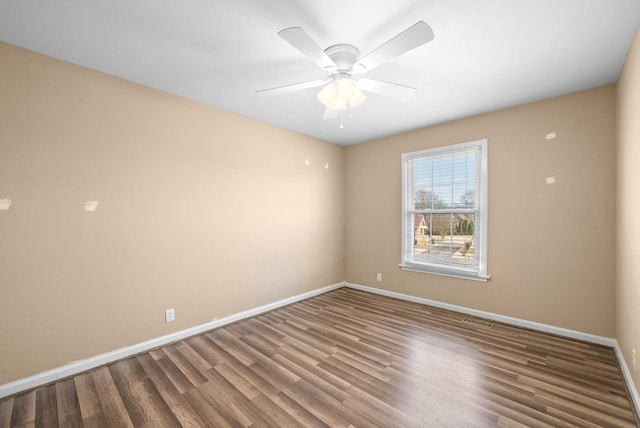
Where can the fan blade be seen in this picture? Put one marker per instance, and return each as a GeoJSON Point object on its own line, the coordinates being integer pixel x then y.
{"type": "Point", "coordinates": [300, 40]}
{"type": "Point", "coordinates": [290, 88]}
{"type": "Point", "coordinates": [330, 113]}
{"type": "Point", "coordinates": [409, 39]}
{"type": "Point", "coordinates": [387, 89]}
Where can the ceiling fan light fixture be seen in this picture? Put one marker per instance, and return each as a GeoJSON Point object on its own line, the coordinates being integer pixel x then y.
{"type": "Point", "coordinates": [341, 61]}
{"type": "Point", "coordinates": [341, 94]}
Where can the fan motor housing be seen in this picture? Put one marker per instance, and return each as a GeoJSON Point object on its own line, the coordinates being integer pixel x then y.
{"type": "Point", "coordinates": [344, 56]}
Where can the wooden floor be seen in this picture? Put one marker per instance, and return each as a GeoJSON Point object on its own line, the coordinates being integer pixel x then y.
{"type": "Point", "coordinates": [345, 358]}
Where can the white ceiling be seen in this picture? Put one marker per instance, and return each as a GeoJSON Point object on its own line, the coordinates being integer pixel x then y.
{"type": "Point", "coordinates": [486, 55]}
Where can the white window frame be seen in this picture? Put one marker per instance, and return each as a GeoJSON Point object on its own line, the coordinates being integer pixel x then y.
{"type": "Point", "coordinates": [480, 210]}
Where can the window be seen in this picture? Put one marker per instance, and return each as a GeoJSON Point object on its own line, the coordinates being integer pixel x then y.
{"type": "Point", "coordinates": [444, 210]}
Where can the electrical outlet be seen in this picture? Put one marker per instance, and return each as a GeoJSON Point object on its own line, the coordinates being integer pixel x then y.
{"type": "Point", "coordinates": [169, 315]}
{"type": "Point", "coordinates": [633, 358]}
{"type": "Point", "coordinates": [378, 277]}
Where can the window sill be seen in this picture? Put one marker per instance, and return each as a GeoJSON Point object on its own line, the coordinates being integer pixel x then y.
{"type": "Point", "coordinates": [451, 274]}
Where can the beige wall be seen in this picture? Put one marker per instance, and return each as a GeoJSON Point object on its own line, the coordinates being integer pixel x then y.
{"type": "Point", "coordinates": [551, 248]}
{"type": "Point", "coordinates": [628, 268]}
{"type": "Point", "coordinates": [200, 210]}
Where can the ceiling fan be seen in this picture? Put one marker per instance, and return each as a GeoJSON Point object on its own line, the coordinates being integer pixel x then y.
{"type": "Point", "coordinates": [343, 61]}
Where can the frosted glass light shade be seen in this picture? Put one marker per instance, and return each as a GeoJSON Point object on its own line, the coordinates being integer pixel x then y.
{"type": "Point", "coordinates": [340, 94]}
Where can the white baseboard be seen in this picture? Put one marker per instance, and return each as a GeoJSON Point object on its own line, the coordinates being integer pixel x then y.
{"type": "Point", "coordinates": [591, 338]}
{"type": "Point", "coordinates": [109, 357]}
{"type": "Point", "coordinates": [627, 376]}
{"type": "Point", "coordinates": [572, 334]}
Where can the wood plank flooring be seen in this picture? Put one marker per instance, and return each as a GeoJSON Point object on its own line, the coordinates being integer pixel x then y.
{"type": "Point", "coordinates": [344, 359]}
